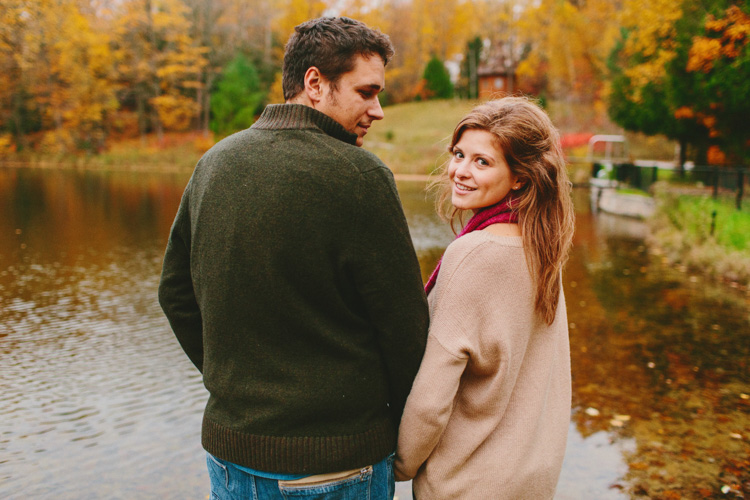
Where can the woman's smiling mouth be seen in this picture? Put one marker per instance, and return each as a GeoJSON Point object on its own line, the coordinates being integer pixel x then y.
{"type": "Point", "coordinates": [463, 187]}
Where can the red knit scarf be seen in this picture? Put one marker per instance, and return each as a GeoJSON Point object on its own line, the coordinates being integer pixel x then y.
{"type": "Point", "coordinates": [494, 214]}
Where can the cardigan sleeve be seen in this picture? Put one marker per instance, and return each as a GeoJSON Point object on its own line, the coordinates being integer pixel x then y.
{"type": "Point", "coordinates": [388, 279]}
{"type": "Point", "coordinates": [176, 292]}
{"type": "Point", "coordinates": [455, 340]}
{"type": "Point", "coordinates": [428, 408]}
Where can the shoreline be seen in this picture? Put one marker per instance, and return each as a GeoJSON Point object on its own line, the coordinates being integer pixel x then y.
{"type": "Point", "coordinates": [145, 169]}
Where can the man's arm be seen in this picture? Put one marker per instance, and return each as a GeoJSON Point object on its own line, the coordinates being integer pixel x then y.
{"type": "Point", "coordinates": [176, 293]}
{"type": "Point", "coordinates": [389, 281]}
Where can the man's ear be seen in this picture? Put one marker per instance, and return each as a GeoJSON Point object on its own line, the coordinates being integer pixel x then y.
{"type": "Point", "coordinates": [314, 83]}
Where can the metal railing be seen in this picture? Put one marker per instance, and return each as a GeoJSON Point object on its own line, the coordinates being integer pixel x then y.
{"type": "Point", "coordinates": [642, 176]}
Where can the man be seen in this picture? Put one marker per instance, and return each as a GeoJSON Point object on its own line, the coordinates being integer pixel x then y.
{"type": "Point", "coordinates": [291, 282]}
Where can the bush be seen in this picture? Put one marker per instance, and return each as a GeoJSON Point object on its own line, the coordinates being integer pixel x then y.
{"type": "Point", "coordinates": [707, 235]}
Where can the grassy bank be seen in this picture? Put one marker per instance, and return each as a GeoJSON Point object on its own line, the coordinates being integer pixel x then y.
{"type": "Point", "coordinates": [707, 236]}
{"type": "Point", "coordinates": [412, 139]}
{"type": "Point", "coordinates": [172, 152]}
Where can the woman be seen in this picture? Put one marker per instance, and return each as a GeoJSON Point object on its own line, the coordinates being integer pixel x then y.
{"type": "Point", "coordinates": [489, 410]}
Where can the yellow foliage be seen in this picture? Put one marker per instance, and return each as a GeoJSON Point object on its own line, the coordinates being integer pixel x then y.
{"type": "Point", "coordinates": [652, 35]}
{"type": "Point", "coordinates": [276, 94]}
{"type": "Point", "coordinates": [63, 62]}
{"type": "Point", "coordinates": [703, 53]}
{"type": "Point", "coordinates": [6, 144]}
{"type": "Point", "coordinates": [160, 60]}
{"type": "Point", "coordinates": [58, 141]}
{"type": "Point", "coordinates": [175, 111]}
{"type": "Point", "coordinates": [528, 67]}
{"type": "Point", "coordinates": [570, 43]}
{"type": "Point", "coordinates": [734, 33]}
{"type": "Point", "coordinates": [294, 12]}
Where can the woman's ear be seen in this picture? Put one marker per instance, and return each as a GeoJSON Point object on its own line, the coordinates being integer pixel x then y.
{"type": "Point", "coordinates": [518, 185]}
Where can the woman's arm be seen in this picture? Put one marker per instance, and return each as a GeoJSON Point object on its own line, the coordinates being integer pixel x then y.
{"type": "Point", "coordinates": [459, 306]}
{"type": "Point", "coordinates": [428, 408]}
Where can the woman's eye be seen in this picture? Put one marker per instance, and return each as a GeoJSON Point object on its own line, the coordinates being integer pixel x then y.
{"type": "Point", "coordinates": [458, 154]}
{"type": "Point", "coordinates": [482, 161]}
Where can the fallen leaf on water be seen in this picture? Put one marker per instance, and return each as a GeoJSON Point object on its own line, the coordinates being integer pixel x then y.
{"type": "Point", "coordinates": [592, 412]}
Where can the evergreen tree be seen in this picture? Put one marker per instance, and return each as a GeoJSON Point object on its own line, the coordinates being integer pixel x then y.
{"type": "Point", "coordinates": [469, 84]}
{"type": "Point", "coordinates": [238, 95]}
{"type": "Point", "coordinates": [437, 80]}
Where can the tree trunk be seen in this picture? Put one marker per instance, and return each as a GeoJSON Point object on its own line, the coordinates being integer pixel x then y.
{"type": "Point", "coordinates": [141, 110]}
{"type": "Point", "coordinates": [683, 158]}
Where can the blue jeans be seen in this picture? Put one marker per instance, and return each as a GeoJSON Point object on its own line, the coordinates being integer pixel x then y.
{"type": "Point", "coordinates": [228, 482]}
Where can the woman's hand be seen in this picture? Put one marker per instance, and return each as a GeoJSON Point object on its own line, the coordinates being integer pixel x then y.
{"type": "Point", "coordinates": [400, 476]}
{"type": "Point", "coordinates": [398, 471]}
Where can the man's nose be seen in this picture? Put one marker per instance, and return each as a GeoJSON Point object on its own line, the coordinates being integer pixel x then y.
{"type": "Point", "coordinates": [376, 110]}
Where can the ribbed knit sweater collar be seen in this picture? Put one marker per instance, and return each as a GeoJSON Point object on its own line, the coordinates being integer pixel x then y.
{"type": "Point", "coordinates": [299, 116]}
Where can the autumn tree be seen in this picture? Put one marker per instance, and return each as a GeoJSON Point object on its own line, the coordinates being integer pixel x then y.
{"type": "Point", "coordinates": [59, 74]}
{"type": "Point", "coordinates": [719, 67]}
{"type": "Point", "coordinates": [18, 115]}
{"type": "Point", "coordinates": [159, 63]}
{"type": "Point", "coordinates": [679, 70]}
{"type": "Point", "coordinates": [567, 44]}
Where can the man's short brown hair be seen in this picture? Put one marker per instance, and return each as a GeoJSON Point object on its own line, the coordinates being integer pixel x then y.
{"type": "Point", "coordinates": [331, 44]}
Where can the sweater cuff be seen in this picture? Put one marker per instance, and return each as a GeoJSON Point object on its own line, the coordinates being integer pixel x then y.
{"type": "Point", "coordinates": [299, 454]}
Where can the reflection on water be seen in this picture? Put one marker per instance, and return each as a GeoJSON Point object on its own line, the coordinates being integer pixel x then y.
{"type": "Point", "coordinates": [98, 400]}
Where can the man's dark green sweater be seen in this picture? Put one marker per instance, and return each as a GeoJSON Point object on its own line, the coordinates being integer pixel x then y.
{"type": "Point", "coordinates": [291, 282]}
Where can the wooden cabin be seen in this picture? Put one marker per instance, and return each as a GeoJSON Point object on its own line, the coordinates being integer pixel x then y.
{"type": "Point", "coordinates": [496, 78]}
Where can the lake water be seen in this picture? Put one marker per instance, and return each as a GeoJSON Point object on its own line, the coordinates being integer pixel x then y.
{"type": "Point", "coordinates": [98, 400]}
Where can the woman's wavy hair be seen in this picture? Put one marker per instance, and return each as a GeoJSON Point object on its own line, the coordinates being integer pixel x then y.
{"type": "Point", "coordinates": [531, 146]}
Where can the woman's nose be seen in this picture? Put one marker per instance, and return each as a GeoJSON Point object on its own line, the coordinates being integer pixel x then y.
{"type": "Point", "coordinates": [462, 171]}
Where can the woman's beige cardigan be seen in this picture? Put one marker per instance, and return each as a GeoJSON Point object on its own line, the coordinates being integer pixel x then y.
{"type": "Point", "coordinates": [489, 411]}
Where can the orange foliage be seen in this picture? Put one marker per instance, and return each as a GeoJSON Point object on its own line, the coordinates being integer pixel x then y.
{"type": "Point", "coordinates": [708, 121]}
{"type": "Point", "coordinates": [421, 92]}
{"type": "Point", "coordinates": [684, 113]}
{"type": "Point", "coordinates": [716, 156]}
{"type": "Point", "coordinates": [733, 32]}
